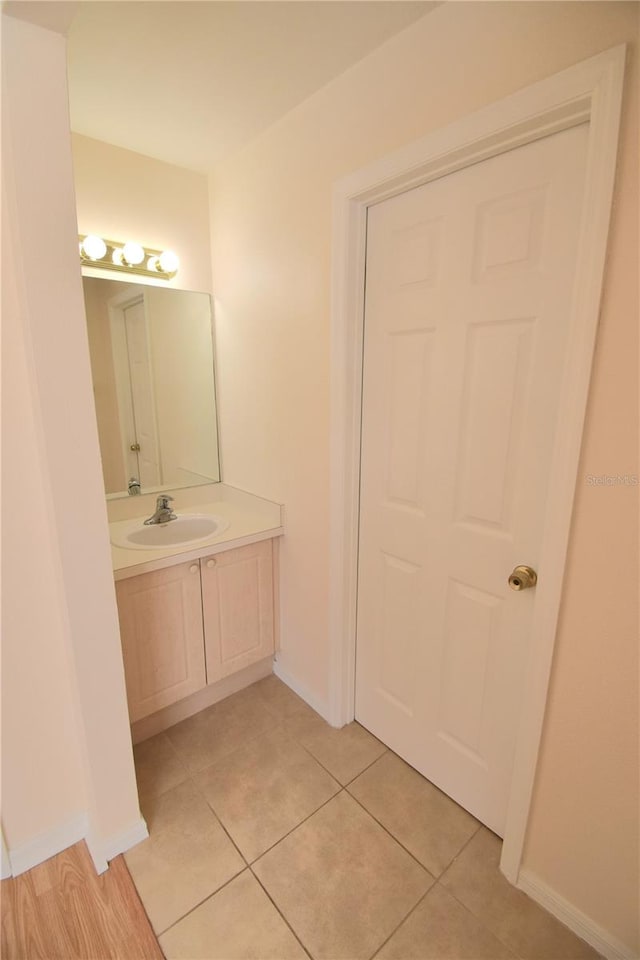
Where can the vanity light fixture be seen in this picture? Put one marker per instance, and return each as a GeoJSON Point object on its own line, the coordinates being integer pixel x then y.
{"type": "Point", "coordinates": [127, 257]}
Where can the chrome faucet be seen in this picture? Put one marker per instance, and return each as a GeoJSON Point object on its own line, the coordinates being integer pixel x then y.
{"type": "Point", "coordinates": [134, 487]}
{"type": "Point", "coordinates": [163, 512]}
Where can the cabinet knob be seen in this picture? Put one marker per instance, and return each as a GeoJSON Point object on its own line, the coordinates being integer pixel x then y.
{"type": "Point", "coordinates": [211, 563]}
{"type": "Point", "coordinates": [193, 568]}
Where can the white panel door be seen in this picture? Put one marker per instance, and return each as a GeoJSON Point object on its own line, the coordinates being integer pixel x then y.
{"type": "Point", "coordinates": [142, 395]}
{"type": "Point", "coordinates": [468, 287]}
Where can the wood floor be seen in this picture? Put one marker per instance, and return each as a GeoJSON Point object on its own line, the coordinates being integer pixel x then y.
{"type": "Point", "coordinates": [61, 910]}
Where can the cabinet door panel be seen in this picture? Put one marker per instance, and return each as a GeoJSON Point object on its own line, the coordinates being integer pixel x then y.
{"type": "Point", "coordinates": [237, 601]}
{"type": "Point", "coordinates": [162, 637]}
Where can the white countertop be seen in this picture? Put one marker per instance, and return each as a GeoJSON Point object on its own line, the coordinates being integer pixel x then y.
{"type": "Point", "coordinates": [250, 519]}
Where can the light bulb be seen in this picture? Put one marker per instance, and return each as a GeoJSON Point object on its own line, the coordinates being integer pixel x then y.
{"type": "Point", "coordinates": [116, 256]}
{"type": "Point", "coordinates": [153, 263]}
{"type": "Point", "coordinates": [133, 253]}
{"type": "Point", "coordinates": [93, 247]}
{"type": "Point", "coordinates": [168, 262]}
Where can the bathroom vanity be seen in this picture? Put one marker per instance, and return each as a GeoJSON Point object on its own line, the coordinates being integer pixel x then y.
{"type": "Point", "coordinates": [197, 595]}
{"type": "Point", "coordinates": [197, 620]}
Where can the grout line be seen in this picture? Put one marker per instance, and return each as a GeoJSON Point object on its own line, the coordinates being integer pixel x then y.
{"type": "Point", "coordinates": [368, 766]}
{"type": "Point", "coordinates": [293, 829]}
{"type": "Point", "coordinates": [476, 916]}
{"type": "Point", "coordinates": [480, 920]}
{"type": "Point", "coordinates": [248, 738]}
{"type": "Point", "coordinates": [213, 811]}
{"type": "Point", "coordinates": [209, 896]}
{"type": "Point", "coordinates": [222, 824]}
{"type": "Point", "coordinates": [463, 847]}
{"type": "Point", "coordinates": [394, 838]}
{"type": "Point", "coordinates": [249, 865]}
{"type": "Point", "coordinates": [154, 796]}
{"type": "Point", "coordinates": [460, 851]}
{"type": "Point", "coordinates": [145, 799]}
{"type": "Point", "coordinates": [174, 748]}
{"type": "Point", "coordinates": [443, 887]}
{"type": "Point", "coordinates": [320, 763]}
{"type": "Point", "coordinates": [279, 911]}
{"type": "Point", "coordinates": [404, 919]}
{"type": "Point", "coordinates": [342, 788]}
{"type": "Point", "coordinates": [326, 769]}
{"type": "Point", "coordinates": [235, 846]}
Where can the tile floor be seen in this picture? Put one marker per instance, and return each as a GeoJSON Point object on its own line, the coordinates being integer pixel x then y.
{"type": "Point", "coordinates": [274, 836]}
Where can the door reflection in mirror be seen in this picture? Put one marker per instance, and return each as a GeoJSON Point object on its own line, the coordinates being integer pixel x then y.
{"type": "Point", "coordinates": [152, 365]}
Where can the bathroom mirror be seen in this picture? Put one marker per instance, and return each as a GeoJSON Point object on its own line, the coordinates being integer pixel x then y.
{"type": "Point", "coordinates": [153, 381]}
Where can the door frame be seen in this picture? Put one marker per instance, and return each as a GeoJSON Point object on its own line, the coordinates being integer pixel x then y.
{"type": "Point", "coordinates": [117, 306]}
{"type": "Point", "coordinates": [590, 91]}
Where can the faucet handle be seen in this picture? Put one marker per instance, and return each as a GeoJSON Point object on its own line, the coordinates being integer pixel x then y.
{"type": "Point", "coordinates": [163, 502]}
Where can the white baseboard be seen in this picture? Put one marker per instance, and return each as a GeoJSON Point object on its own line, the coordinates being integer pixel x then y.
{"type": "Point", "coordinates": [318, 705]}
{"type": "Point", "coordinates": [582, 925]}
{"type": "Point", "coordinates": [47, 845]}
{"type": "Point", "coordinates": [102, 851]}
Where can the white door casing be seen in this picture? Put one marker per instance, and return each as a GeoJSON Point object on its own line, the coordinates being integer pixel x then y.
{"type": "Point", "coordinates": [131, 348]}
{"type": "Point", "coordinates": [469, 281]}
{"type": "Point", "coordinates": [142, 394]}
{"type": "Point", "coordinates": [591, 92]}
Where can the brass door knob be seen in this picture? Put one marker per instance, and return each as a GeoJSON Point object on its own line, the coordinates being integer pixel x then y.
{"type": "Point", "coordinates": [522, 578]}
{"type": "Point", "coordinates": [134, 447]}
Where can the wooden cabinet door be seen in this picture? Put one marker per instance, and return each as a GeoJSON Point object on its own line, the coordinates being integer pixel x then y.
{"type": "Point", "coordinates": [162, 637]}
{"type": "Point", "coordinates": [237, 601]}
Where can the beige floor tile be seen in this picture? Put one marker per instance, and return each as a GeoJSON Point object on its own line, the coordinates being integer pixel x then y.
{"type": "Point", "coordinates": [427, 822]}
{"type": "Point", "coordinates": [187, 857]}
{"type": "Point", "coordinates": [474, 878]}
{"type": "Point", "coordinates": [158, 767]}
{"type": "Point", "coordinates": [220, 729]}
{"type": "Point", "coordinates": [263, 790]}
{"type": "Point", "coordinates": [341, 881]}
{"type": "Point", "coordinates": [440, 928]}
{"type": "Point", "coordinates": [301, 725]}
{"type": "Point", "coordinates": [345, 752]}
{"type": "Point", "coordinates": [281, 700]}
{"type": "Point", "coordinates": [237, 923]}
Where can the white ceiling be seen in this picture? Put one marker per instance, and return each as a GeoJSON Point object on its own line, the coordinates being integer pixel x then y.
{"type": "Point", "coordinates": [190, 81]}
{"type": "Point", "coordinates": [55, 15]}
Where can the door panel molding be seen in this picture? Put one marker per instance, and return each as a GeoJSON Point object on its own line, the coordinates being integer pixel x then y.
{"type": "Point", "coordinates": [590, 91]}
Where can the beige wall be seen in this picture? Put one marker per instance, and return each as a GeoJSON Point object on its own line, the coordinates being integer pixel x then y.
{"type": "Point", "coordinates": [65, 737]}
{"type": "Point", "coordinates": [271, 251]}
{"type": "Point", "coordinates": [181, 344]}
{"type": "Point", "coordinates": [271, 235]}
{"type": "Point", "coordinates": [123, 195]}
{"type": "Point", "coordinates": [586, 796]}
{"type": "Point", "coordinates": [41, 750]}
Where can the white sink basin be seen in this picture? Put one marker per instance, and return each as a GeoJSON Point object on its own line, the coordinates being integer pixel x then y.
{"type": "Point", "coordinates": [187, 529]}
